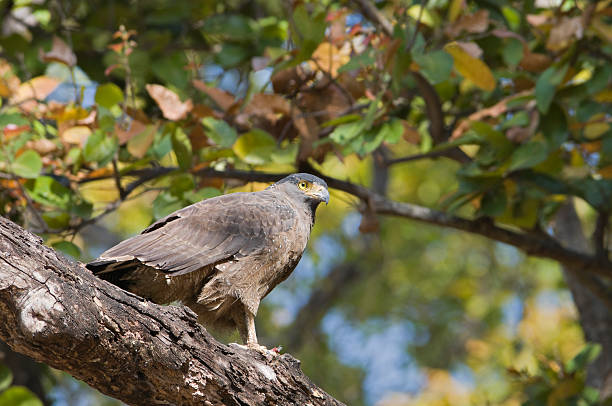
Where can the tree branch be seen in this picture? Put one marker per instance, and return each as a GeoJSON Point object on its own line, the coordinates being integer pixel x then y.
{"type": "Point", "coordinates": [57, 312]}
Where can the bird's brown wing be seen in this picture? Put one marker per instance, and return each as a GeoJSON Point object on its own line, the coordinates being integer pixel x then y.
{"type": "Point", "coordinates": [206, 233]}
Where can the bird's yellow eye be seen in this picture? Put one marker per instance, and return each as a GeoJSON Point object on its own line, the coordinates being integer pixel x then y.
{"type": "Point", "coordinates": [304, 185]}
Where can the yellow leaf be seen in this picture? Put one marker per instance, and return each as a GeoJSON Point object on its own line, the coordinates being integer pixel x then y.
{"type": "Point", "coordinates": [471, 68]}
{"type": "Point", "coordinates": [605, 96]}
{"type": "Point", "coordinates": [76, 135]}
{"type": "Point", "coordinates": [596, 126]}
{"type": "Point", "coordinates": [329, 58]}
{"type": "Point", "coordinates": [455, 9]}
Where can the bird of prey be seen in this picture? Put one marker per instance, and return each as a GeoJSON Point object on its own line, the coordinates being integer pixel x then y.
{"type": "Point", "coordinates": [220, 256]}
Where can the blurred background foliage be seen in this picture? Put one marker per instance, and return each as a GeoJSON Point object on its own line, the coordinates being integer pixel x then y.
{"type": "Point", "coordinates": [116, 113]}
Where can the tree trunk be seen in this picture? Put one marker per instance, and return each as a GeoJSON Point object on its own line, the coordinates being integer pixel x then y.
{"type": "Point", "coordinates": [595, 318]}
{"type": "Point", "coordinates": [55, 311]}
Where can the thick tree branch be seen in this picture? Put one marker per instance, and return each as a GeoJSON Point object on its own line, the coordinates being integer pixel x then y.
{"type": "Point", "coordinates": [57, 312]}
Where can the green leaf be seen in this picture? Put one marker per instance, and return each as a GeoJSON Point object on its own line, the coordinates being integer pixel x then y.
{"type": "Point", "coordinates": [108, 95]}
{"type": "Point", "coordinates": [6, 377]}
{"type": "Point", "coordinates": [597, 192]}
{"type": "Point", "coordinates": [344, 133]}
{"type": "Point", "coordinates": [599, 80]}
{"type": "Point", "coordinates": [67, 248]}
{"type": "Point", "coordinates": [13, 118]}
{"type": "Point", "coordinates": [170, 69]}
{"type": "Point", "coordinates": [494, 202]}
{"type": "Point", "coordinates": [310, 30]}
{"type": "Point", "coordinates": [286, 155]}
{"type": "Point", "coordinates": [546, 86]}
{"type": "Point", "coordinates": [165, 204]}
{"type": "Point", "coordinates": [349, 118]}
{"type": "Point", "coordinates": [512, 52]}
{"type": "Point", "coordinates": [48, 191]}
{"type": "Point", "coordinates": [528, 155]}
{"type": "Point", "coordinates": [220, 132]}
{"type": "Point", "coordinates": [435, 66]}
{"type": "Point", "coordinates": [512, 16]}
{"type": "Point", "coordinates": [100, 148]}
{"type": "Point", "coordinates": [182, 148]}
{"type": "Point", "coordinates": [362, 60]}
{"type": "Point", "coordinates": [19, 396]}
{"type": "Point", "coordinates": [232, 55]}
{"type": "Point", "coordinates": [587, 355]}
{"type": "Point", "coordinates": [553, 126]}
{"type": "Point", "coordinates": [229, 27]}
{"type": "Point", "coordinates": [56, 219]}
{"type": "Point", "coordinates": [27, 165]}
{"type": "Point", "coordinates": [180, 184]}
{"type": "Point", "coordinates": [520, 119]}
{"type": "Point", "coordinates": [255, 147]}
{"type": "Point", "coordinates": [194, 196]}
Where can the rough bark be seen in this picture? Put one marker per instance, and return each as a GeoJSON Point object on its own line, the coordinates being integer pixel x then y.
{"type": "Point", "coordinates": [595, 317]}
{"type": "Point", "coordinates": [55, 311]}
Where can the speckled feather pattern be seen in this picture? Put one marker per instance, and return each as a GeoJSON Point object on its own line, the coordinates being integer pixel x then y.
{"type": "Point", "coordinates": [220, 256]}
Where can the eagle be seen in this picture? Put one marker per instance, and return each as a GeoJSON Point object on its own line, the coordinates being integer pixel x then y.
{"type": "Point", "coordinates": [220, 256]}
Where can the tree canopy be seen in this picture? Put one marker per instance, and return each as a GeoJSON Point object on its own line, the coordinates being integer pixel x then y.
{"type": "Point", "coordinates": [463, 257]}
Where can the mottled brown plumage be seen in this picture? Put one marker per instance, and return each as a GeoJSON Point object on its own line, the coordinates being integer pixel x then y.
{"type": "Point", "coordinates": [220, 256]}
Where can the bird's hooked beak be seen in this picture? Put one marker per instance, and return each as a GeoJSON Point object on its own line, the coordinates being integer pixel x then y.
{"type": "Point", "coordinates": [319, 192]}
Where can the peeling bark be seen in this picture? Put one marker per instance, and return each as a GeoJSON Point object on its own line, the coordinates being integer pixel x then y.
{"type": "Point", "coordinates": [55, 311]}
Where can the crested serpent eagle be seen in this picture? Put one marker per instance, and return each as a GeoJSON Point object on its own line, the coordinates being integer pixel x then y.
{"type": "Point", "coordinates": [222, 255]}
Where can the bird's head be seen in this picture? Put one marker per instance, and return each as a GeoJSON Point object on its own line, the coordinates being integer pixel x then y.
{"type": "Point", "coordinates": [305, 187]}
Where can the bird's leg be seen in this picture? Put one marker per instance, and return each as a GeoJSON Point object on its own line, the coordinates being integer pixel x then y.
{"type": "Point", "coordinates": [245, 322]}
{"type": "Point", "coordinates": [246, 328]}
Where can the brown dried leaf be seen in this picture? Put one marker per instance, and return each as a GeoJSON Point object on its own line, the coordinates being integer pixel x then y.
{"type": "Point", "coordinates": [562, 34]}
{"type": "Point", "coordinates": [201, 111]}
{"type": "Point", "coordinates": [29, 93]}
{"type": "Point", "coordinates": [290, 80]}
{"type": "Point", "coordinates": [43, 146]}
{"type": "Point", "coordinates": [309, 133]}
{"type": "Point", "coordinates": [502, 33]}
{"type": "Point", "coordinates": [534, 62]}
{"type": "Point", "coordinates": [76, 135]}
{"type": "Point", "coordinates": [411, 134]}
{"type": "Point", "coordinates": [268, 104]}
{"type": "Point", "coordinates": [198, 137]}
{"type": "Point", "coordinates": [170, 104]}
{"type": "Point", "coordinates": [356, 88]}
{"type": "Point", "coordinates": [9, 82]}
{"type": "Point", "coordinates": [60, 52]}
{"type": "Point", "coordinates": [222, 99]}
{"type": "Point", "coordinates": [518, 134]}
{"type": "Point", "coordinates": [471, 48]}
{"type": "Point", "coordinates": [140, 143]}
{"type": "Point", "coordinates": [369, 221]}
{"type": "Point", "coordinates": [494, 111]}
{"type": "Point", "coordinates": [127, 130]}
{"type": "Point", "coordinates": [473, 23]}
{"type": "Point", "coordinates": [538, 19]}
{"type": "Point", "coordinates": [328, 102]}
{"type": "Point", "coordinates": [523, 83]}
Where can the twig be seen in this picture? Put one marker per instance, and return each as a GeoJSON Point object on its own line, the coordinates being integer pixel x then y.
{"type": "Point", "coordinates": [599, 234]}
{"type": "Point", "coordinates": [117, 178]}
{"type": "Point", "coordinates": [416, 26]}
{"type": "Point", "coordinates": [369, 10]}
